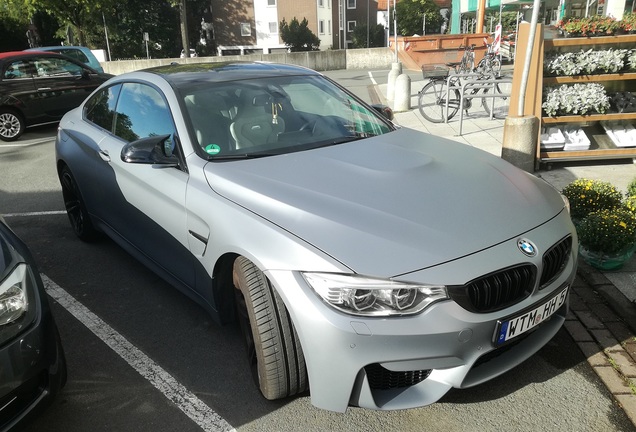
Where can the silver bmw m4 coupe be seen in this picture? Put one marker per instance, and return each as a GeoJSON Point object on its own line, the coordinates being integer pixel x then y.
{"type": "Point", "coordinates": [368, 264]}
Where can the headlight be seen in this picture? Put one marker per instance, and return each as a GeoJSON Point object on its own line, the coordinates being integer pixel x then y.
{"type": "Point", "coordinates": [357, 295]}
{"type": "Point", "coordinates": [16, 312]}
{"type": "Point", "coordinates": [566, 202]}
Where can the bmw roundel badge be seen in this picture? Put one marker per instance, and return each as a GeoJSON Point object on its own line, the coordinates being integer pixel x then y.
{"type": "Point", "coordinates": [527, 247]}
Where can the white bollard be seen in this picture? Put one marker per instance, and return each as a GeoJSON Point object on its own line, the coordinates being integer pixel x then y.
{"type": "Point", "coordinates": [402, 101]}
{"type": "Point", "coordinates": [396, 70]}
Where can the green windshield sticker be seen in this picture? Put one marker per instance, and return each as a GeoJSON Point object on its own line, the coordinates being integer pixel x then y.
{"type": "Point", "coordinates": [213, 149]}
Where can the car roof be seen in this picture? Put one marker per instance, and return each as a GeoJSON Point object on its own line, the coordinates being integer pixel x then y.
{"type": "Point", "coordinates": [59, 48]}
{"type": "Point", "coordinates": [180, 75]}
{"type": "Point", "coordinates": [18, 54]}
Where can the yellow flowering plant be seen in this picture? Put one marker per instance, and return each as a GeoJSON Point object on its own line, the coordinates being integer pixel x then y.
{"type": "Point", "coordinates": [608, 232]}
{"type": "Point", "coordinates": [630, 203]}
{"type": "Point", "coordinates": [588, 196]}
{"type": "Point", "coordinates": [631, 188]}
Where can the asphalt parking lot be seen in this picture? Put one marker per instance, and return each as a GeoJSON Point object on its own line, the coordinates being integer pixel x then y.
{"type": "Point", "coordinates": [141, 356]}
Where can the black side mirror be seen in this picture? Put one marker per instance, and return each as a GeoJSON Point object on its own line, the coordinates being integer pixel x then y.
{"type": "Point", "coordinates": [85, 74]}
{"type": "Point", "coordinates": [154, 150]}
{"type": "Point", "coordinates": [384, 110]}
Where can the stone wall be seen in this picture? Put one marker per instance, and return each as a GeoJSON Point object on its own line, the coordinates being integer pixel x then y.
{"type": "Point", "coordinates": [372, 58]}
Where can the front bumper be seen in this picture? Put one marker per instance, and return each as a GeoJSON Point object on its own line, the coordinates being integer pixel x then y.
{"type": "Point", "coordinates": [443, 347]}
{"type": "Point", "coordinates": [32, 372]}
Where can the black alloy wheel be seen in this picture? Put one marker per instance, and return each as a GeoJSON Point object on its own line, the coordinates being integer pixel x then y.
{"type": "Point", "coordinates": [75, 209]}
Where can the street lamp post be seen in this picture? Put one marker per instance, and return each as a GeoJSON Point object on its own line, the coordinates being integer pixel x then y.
{"type": "Point", "coordinates": [395, 31]}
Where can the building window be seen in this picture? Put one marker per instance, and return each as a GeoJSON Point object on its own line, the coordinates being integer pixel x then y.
{"type": "Point", "coordinates": [351, 4]}
{"type": "Point", "coordinates": [350, 26]}
{"type": "Point", "coordinates": [271, 2]}
{"type": "Point", "coordinates": [329, 26]}
{"type": "Point", "coordinates": [321, 3]}
{"type": "Point", "coordinates": [273, 27]}
{"type": "Point", "coordinates": [246, 29]}
{"type": "Point", "coordinates": [321, 27]}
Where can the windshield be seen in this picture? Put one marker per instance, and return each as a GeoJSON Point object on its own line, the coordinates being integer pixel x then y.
{"type": "Point", "coordinates": [270, 116]}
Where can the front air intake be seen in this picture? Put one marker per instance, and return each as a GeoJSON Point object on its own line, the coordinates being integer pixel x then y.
{"type": "Point", "coordinates": [381, 378]}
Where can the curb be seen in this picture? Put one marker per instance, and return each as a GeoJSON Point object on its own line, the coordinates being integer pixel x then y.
{"type": "Point", "coordinates": [602, 322]}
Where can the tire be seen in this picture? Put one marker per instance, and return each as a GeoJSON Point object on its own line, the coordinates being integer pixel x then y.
{"type": "Point", "coordinates": [274, 352]}
{"type": "Point", "coordinates": [496, 66]}
{"type": "Point", "coordinates": [11, 125]}
{"type": "Point", "coordinates": [75, 209]}
{"type": "Point", "coordinates": [432, 101]}
{"type": "Point", "coordinates": [490, 66]}
{"type": "Point", "coordinates": [498, 106]}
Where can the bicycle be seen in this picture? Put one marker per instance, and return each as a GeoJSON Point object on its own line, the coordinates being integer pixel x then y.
{"type": "Point", "coordinates": [490, 64]}
{"type": "Point", "coordinates": [432, 98]}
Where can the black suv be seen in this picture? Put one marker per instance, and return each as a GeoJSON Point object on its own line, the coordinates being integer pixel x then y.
{"type": "Point", "coordinates": [40, 87]}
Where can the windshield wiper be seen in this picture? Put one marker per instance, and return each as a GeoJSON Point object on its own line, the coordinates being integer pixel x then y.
{"type": "Point", "coordinates": [241, 156]}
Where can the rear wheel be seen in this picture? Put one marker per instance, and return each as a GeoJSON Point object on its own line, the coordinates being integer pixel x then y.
{"type": "Point", "coordinates": [274, 352]}
{"type": "Point", "coordinates": [432, 101]}
{"type": "Point", "coordinates": [490, 66]}
{"type": "Point", "coordinates": [75, 209]}
{"type": "Point", "coordinates": [11, 125]}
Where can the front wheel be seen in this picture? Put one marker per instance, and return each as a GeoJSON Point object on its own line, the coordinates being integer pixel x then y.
{"type": "Point", "coordinates": [274, 352]}
{"type": "Point", "coordinates": [490, 66]}
{"type": "Point", "coordinates": [11, 125]}
{"type": "Point", "coordinates": [432, 101]}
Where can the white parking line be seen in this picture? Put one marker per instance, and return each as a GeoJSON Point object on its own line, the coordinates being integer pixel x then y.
{"type": "Point", "coordinates": [206, 418]}
{"type": "Point", "coordinates": [43, 213]}
{"type": "Point", "coordinates": [34, 142]}
{"type": "Point", "coordinates": [372, 79]}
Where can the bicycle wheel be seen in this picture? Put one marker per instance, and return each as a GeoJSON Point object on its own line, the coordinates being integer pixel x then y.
{"type": "Point", "coordinates": [489, 66]}
{"type": "Point", "coordinates": [432, 101]}
{"type": "Point", "coordinates": [497, 105]}
{"type": "Point", "coordinates": [495, 65]}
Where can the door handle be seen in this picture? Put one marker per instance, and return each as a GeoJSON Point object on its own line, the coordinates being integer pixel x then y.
{"type": "Point", "coordinates": [44, 88]}
{"type": "Point", "coordinates": [104, 155]}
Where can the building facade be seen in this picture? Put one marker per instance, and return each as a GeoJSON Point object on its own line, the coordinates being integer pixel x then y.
{"type": "Point", "coordinates": [248, 26]}
{"type": "Point", "coordinates": [551, 10]}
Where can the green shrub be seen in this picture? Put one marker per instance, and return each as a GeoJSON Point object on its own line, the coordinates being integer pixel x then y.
{"type": "Point", "coordinates": [608, 231]}
{"type": "Point", "coordinates": [588, 196]}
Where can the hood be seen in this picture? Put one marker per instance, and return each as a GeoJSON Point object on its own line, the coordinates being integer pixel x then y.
{"type": "Point", "coordinates": [391, 204]}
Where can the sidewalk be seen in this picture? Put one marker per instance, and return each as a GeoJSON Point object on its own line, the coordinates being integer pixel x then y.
{"type": "Point", "coordinates": [602, 318]}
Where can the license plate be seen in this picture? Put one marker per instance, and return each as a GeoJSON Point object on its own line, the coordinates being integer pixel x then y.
{"type": "Point", "coordinates": [511, 328]}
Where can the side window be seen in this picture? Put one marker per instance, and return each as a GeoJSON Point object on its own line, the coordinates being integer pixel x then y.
{"type": "Point", "coordinates": [100, 108]}
{"type": "Point", "coordinates": [75, 54]}
{"type": "Point", "coordinates": [56, 67]}
{"type": "Point", "coordinates": [18, 69]}
{"type": "Point", "coordinates": [142, 112]}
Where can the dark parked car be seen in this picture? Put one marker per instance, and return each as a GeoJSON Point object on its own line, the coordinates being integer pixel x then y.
{"type": "Point", "coordinates": [40, 87]}
{"type": "Point", "coordinates": [32, 363]}
{"type": "Point", "coordinates": [375, 266]}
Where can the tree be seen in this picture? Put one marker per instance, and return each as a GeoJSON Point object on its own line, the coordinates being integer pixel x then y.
{"type": "Point", "coordinates": [376, 36]}
{"type": "Point", "coordinates": [13, 33]}
{"type": "Point", "coordinates": [411, 13]}
{"type": "Point", "coordinates": [297, 36]}
{"type": "Point", "coordinates": [82, 15]}
{"type": "Point", "coordinates": [55, 20]}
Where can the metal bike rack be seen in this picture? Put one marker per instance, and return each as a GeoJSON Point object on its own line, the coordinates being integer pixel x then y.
{"type": "Point", "coordinates": [453, 77]}
{"type": "Point", "coordinates": [479, 85]}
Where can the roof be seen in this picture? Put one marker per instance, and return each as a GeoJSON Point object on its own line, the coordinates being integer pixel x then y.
{"type": "Point", "coordinates": [187, 74]}
{"type": "Point", "coordinates": [12, 54]}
